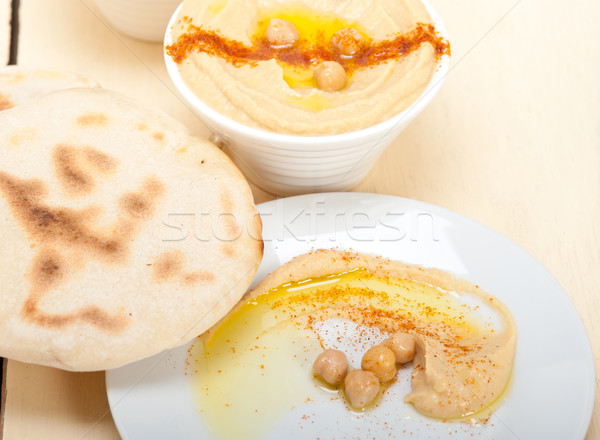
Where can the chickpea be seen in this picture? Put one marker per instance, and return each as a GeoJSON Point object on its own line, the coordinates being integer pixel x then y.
{"type": "Point", "coordinates": [381, 361]}
{"type": "Point", "coordinates": [330, 76]}
{"type": "Point", "coordinates": [361, 387]}
{"type": "Point", "coordinates": [348, 42]}
{"type": "Point", "coordinates": [331, 366]}
{"type": "Point", "coordinates": [403, 346]}
{"type": "Point", "coordinates": [281, 32]}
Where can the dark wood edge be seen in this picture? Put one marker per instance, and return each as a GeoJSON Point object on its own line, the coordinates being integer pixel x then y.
{"type": "Point", "coordinates": [3, 396]}
{"type": "Point", "coordinates": [14, 32]}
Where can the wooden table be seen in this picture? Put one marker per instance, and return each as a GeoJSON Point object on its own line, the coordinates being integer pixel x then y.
{"type": "Point", "coordinates": [512, 140]}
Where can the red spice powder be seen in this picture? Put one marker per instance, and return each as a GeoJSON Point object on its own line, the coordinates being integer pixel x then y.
{"type": "Point", "coordinates": [303, 53]}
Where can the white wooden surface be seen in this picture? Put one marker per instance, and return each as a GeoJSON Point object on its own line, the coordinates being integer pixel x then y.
{"type": "Point", "coordinates": [512, 140]}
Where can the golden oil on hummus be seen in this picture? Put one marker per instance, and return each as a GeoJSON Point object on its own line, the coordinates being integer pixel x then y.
{"type": "Point", "coordinates": [281, 97]}
{"type": "Point", "coordinates": [326, 299]}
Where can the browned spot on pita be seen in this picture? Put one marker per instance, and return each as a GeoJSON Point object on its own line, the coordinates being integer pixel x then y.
{"type": "Point", "coordinates": [140, 204]}
{"type": "Point", "coordinates": [135, 205]}
{"type": "Point", "coordinates": [31, 313]}
{"type": "Point", "coordinates": [168, 265]}
{"type": "Point", "coordinates": [102, 162]}
{"type": "Point", "coordinates": [233, 230]}
{"type": "Point", "coordinates": [99, 318]}
{"type": "Point", "coordinates": [258, 228]}
{"type": "Point", "coordinates": [228, 250]}
{"type": "Point", "coordinates": [261, 245]}
{"type": "Point", "coordinates": [60, 225]}
{"type": "Point", "coordinates": [229, 221]}
{"type": "Point", "coordinates": [30, 306]}
{"type": "Point", "coordinates": [68, 169]}
{"type": "Point", "coordinates": [141, 127]}
{"type": "Point", "coordinates": [226, 202]}
{"type": "Point", "coordinates": [75, 167]}
{"type": "Point", "coordinates": [47, 270]}
{"type": "Point", "coordinates": [158, 136]}
{"type": "Point", "coordinates": [153, 187]}
{"type": "Point", "coordinates": [92, 119]}
{"type": "Point", "coordinates": [17, 190]}
{"type": "Point", "coordinates": [189, 279]}
{"type": "Point", "coordinates": [22, 136]}
{"type": "Point", "coordinates": [5, 102]}
{"type": "Point", "coordinates": [92, 315]}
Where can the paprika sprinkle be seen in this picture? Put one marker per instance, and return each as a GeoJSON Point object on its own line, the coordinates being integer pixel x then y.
{"type": "Point", "coordinates": [304, 53]}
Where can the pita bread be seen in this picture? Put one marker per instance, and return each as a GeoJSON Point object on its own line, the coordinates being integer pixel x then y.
{"type": "Point", "coordinates": [23, 84]}
{"type": "Point", "coordinates": [122, 235]}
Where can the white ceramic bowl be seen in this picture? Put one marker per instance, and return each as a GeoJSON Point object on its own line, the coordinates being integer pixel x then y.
{"type": "Point", "coordinates": [286, 164]}
{"type": "Point", "coordinates": [141, 19]}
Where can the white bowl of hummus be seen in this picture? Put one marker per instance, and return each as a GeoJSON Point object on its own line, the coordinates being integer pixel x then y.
{"type": "Point", "coordinates": [265, 101]}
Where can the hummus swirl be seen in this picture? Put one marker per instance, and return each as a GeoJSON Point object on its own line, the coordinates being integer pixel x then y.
{"type": "Point", "coordinates": [465, 338]}
{"type": "Point", "coordinates": [257, 93]}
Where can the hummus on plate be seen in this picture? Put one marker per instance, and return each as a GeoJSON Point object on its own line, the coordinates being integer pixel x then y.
{"type": "Point", "coordinates": [328, 299]}
{"type": "Point", "coordinates": [225, 58]}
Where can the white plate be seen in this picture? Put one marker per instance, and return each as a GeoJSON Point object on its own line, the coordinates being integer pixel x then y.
{"type": "Point", "coordinates": [552, 391]}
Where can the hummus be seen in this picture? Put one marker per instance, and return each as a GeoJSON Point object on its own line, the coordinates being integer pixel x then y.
{"type": "Point", "coordinates": [279, 95]}
{"type": "Point", "coordinates": [327, 299]}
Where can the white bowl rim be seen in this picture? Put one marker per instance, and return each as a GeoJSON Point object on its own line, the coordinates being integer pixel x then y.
{"type": "Point", "coordinates": [373, 131]}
